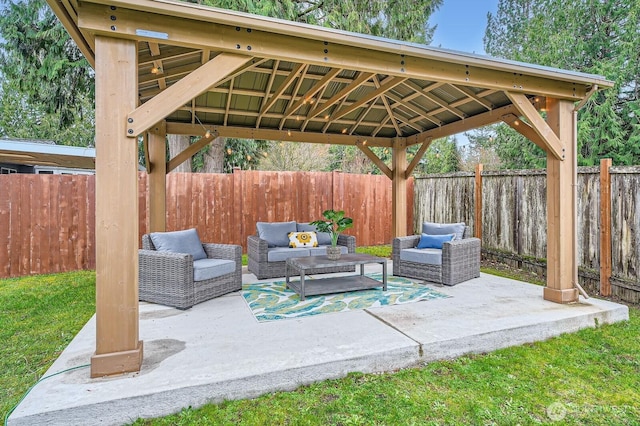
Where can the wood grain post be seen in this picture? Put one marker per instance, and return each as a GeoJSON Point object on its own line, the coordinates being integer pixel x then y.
{"type": "Point", "coordinates": [158, 178]}
{"type": "Point", "coordinates": [118, 349]}
{"type": "Point", "coordinates": [562, 265]}
{"type": "Point", "coordinates": [477, 220]}
{"type": "Point", "coordinates": [399, 188]}
{"type": "Point", "coordinates": [605, 227]}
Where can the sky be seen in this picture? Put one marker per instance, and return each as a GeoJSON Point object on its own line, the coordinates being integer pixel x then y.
{"type": "Point", "coordinates": [461, 24]}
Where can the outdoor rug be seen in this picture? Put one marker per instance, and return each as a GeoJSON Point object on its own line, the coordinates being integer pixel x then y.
{"type": "Point", "coordinates": [272, 301]}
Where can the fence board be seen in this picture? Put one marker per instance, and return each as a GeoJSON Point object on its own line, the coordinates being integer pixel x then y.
{"type": "Point", "coordinates": [5, 225]}
{"type": "Point", "coordinates": [48, 221]}
{"type": "Point", "coordinates": [443, 198]}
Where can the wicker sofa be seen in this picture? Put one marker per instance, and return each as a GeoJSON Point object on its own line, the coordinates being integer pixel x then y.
{"type": "Point", "coordinates": [267, 254]}
{"type": "Point", "coordinates": [457, 261]}
{"type": "Point", "coordinates": [170, 278]}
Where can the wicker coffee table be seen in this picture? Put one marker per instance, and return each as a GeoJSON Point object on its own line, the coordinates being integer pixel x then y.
{"type": "Point", "coordinates": [300, 265]}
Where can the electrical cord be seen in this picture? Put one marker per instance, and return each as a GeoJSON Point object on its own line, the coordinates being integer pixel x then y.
{"type": "Point", "coordinates": [6, 418]}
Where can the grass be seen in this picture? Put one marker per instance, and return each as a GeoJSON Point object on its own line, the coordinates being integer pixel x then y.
{"type": "Point", "coordinates": [39, 316]}
{"type": "Point", "coordinates": [589, 377]}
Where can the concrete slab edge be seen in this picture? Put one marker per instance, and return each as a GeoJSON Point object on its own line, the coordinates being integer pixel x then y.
{"type": "Point", "coordinates": [491, 341]}
{"type": "Point", "coordinates": [127, 410]}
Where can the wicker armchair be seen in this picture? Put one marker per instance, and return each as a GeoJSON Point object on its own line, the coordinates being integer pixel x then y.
{"type": "Point", "coordinates": [258, 264]}
{"type": "Point", "coordinates": [168, 278]}
{"type": "Point", "coordinates": [460, 260]}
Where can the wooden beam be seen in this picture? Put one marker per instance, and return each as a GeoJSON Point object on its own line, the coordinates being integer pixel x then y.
{"type": "Point", "coordinates": [385, 86]}
{"type": "Point", "coordinates": [321, 107]}
{"type": "Point", "coordinates": [376, 160]}
{"type": "Point", "coordinates": [145, 149]}
{"type": "Point", "coordinates": [163, 104]}
{"type": "Point", "coordinates": [190, 151]}
{"type": "Point", "coordinates": [547, 136]}
{"type": "Point", "coordinates": [275, 135]}
{"type": "Point", "coordinates": [187, 25]}
{"type": "Point", "coordinates": [311, 92]}
{"type": "Point", "coordinates": [477, 219]}
{"type": "Point", "coordinates": [433, 98]}
{"type": "Point", "coordinates": [158, 178]}
{"type": "Point", "coordinates": [392, 117]}
{"type": "Point", "coordinates": [118, 348]}
{"type": "Point", "coordinates": [467, 124]}
{"type": "Point", "coordinates": [471, 94]}
{"type": "Point", "coordinates": [605, 227]}
{"type": "Point", "coordinates": [525, 130]}
{"type": "Point", "coordinates": [399, 188]}
{"type": "Point", "coordinates": [283, 86]}
{"type": "Point", "coordinates": [562, 263]}
{"type": "Point", "coordinates": [416, 158]}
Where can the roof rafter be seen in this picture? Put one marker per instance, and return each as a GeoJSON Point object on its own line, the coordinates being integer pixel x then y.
{"type": "Point", "coordinates": [156, 109]}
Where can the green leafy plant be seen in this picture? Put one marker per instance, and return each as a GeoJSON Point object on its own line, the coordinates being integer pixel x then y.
{"type": "Point", "coordinates": [334, 224]}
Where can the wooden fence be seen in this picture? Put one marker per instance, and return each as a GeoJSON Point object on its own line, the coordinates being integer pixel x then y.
{"type": "Point", "coordinates": [47, 221]}
{"type": "Point", "coordinates": [513, 220]}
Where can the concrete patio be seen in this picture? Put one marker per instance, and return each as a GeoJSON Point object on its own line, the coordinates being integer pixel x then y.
{"type": "Point", "coordinates": [217, 350]}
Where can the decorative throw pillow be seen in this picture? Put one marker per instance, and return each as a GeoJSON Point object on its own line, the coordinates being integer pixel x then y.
{"type": "Point", "coordinates": [302, 239]}
{"type": "Point", "coordinates": [434, 241]}
{"type": "Point", "coordinates": [324, 238]}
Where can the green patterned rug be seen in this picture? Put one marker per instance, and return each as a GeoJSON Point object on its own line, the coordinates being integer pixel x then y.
{"type": "Point", "coordinates": [272, 301]}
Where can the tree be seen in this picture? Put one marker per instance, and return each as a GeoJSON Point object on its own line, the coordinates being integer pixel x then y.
{"type": "Point", "coordinates": [441, 157]}
{"type": "Point", "coordinates": [295, 156]}
{"type": "Point", "coordinates": [47, 86]}
{"type": "Point", "coordinates": [592, 36]}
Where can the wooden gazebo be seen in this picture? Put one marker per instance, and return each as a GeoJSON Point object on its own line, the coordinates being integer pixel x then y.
{"type": "Point", "coordinates": [167, 67]}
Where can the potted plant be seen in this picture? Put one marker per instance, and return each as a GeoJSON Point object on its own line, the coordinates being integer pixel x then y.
{"type": "Point", "coordinates": [334, 224]}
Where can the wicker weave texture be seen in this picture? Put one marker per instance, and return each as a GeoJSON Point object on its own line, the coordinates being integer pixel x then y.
{"type": "Point", "coordinates": [460, 261]}
{"type": "Point", "coordinates": [167, 278]}
{"type": "Point", "coordinates": [257, 250]}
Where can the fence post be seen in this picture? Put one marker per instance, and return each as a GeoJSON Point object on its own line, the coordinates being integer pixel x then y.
{"type": "Point", "coordinates": [477, 220]}
{"type": "Point", "coordinates": [605, 227]}
{"type": "Point", "coordinates": [237, 212]}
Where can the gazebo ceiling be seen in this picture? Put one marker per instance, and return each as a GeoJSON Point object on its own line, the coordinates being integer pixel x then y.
{"type": "Point", "coordinates": [307, 83]}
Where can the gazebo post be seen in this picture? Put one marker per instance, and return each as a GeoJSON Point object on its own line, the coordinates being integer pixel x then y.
{"type": "Point", "coordinates": [118, 349]}
{"type": "Point", "coordinates": [157, 177]}
{"type": "Point", "coordinates": [399, 187]}
{"type": "Point", "coordinates": [562, 266]}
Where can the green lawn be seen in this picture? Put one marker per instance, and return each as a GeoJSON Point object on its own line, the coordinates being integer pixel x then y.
{"type": "Point", "coordinates": [589, 377]}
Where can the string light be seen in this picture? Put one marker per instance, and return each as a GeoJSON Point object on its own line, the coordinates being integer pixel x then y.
{"type": "Point", "coordinates": [156, 70]}
{"type": "Point", "coordinates": [207, 132]}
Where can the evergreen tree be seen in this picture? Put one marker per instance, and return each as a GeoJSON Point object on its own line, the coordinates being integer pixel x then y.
{"type": "Point", "coordinates": [47, 85]}
{"type": "Point", "coordinates": [592, 36]}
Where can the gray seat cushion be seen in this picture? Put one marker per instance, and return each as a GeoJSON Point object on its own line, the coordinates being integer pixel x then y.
{"type": "Point", "coordinates": [427, 256]}
{"type": "Point", "coordinates": [276, 234]}
{"type": "Point", "coordinates": [324, 238]}
{"type": "Point", "coordinates": [205, 269]}
{"type": "Point", "coordinates": [432, 228]}
{"type": "Point", "coordinates": [279, 254]}
{"type": "Point", "coordinates": [322, 250]}
{"type": "Point", "coordinates": [186, 241]}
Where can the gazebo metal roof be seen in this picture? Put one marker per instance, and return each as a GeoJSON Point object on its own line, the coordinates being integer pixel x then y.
{"type": "Point", "coordinates": [302, 81]}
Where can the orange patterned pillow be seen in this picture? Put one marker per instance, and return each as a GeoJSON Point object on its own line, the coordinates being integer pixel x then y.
{"type": "Point", "coordinates": [302, 239]}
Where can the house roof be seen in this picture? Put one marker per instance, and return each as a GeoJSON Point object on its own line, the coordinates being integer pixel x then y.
{"type": "Point", "coordinates": [46, 153]}
{"type": "Point", "coordinates": [307, 83]}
